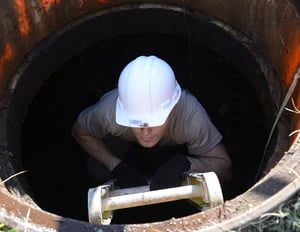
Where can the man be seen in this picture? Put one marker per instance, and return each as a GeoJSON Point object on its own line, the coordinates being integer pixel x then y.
{"type": "Point", "coordinates": [151, 112]}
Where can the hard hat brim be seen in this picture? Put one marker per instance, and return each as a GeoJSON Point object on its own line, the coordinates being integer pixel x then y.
{"type": "Point", "coordinates": [155, 119]}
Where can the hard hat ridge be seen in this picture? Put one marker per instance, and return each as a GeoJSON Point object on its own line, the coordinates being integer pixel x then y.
{"type": "Point", "coordinates": [148, 91]}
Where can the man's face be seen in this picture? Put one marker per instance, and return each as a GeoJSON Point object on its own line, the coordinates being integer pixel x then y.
{"type": "Point", "coordinates": [150, 136]}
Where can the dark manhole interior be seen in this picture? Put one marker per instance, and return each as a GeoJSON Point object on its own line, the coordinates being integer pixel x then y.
{"type": "Point", "coordinates": [57, 166]}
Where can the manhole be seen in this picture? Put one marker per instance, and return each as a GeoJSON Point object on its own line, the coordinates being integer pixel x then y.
{"type": "Point", "coordinates": [68, 66]}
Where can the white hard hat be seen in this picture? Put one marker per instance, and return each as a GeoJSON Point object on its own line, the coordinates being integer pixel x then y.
{"type": "Point", "coordinates": [148, 91]}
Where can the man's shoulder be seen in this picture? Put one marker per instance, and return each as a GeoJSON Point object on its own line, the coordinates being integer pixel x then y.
{"type": "Point", "coordinates": [187, 98]}
{"type": "Point", "coordinates": [112, 94]}
{"type": "Point", "coordinates": [108, 99]}
{"type": "Point", "coordinates": [189, 105]}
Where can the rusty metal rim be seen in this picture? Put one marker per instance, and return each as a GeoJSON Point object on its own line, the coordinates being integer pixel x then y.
{"type": "Point", "coordinates": [219, 221]}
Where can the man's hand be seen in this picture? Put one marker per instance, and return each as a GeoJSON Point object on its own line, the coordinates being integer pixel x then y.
{"type": "Point", "coordinates": [169, 174]}
{"type": "Point", "coordinates": [128, 176]}
{"type": "Point", "coordinates": [95, 147]}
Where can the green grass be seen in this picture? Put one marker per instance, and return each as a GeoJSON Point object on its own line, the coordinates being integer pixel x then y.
{"type": "Point", "coordinates": [4, 228]}
{"type": "Point", "coordinates": [285, 218]}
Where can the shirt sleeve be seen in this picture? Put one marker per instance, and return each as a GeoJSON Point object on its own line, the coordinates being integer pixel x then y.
{"type": "Point", "coordinates": [99, 119]}
{"type": "Point", "coordinates": [194, 126]}
{"type": "Point", "coordinates": [202, 135]}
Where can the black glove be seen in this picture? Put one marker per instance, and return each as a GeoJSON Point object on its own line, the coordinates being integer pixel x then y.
{"type": "Point", "coordinates": [128, 176]}
{"type": "Point", "coordinates": [169, 174]}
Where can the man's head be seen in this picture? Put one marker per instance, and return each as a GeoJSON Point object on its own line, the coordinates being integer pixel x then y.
{"type": "Point", "coordinates": [148, 91]}
{"type": "Point", "coordinates": [150, 136]}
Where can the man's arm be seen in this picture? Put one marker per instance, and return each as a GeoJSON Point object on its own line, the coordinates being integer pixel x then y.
{"type": "Point", "coordinates": [95, 147]}
{"type": "Point", "coordinates": [217, 160]}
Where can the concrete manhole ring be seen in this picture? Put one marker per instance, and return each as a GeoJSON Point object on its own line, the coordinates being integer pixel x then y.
{"type": "Point", "coordinates": [33, 32]}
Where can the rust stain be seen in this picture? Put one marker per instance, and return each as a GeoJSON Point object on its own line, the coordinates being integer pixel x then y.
{"type": "Point", "coordinates": [103, 1]}
{"type": "Point", "coordinates": [292, 63]}
{"type": "Point", "coordinates": [48, 4]}
{"type": "Point", "coordinates": [23, 18]}
{"type": "Point", "coordinates": [293, 59]}
{"type": "Point", "coordinates": [5, 58]}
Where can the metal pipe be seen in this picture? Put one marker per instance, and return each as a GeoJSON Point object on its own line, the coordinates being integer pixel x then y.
{"type": "Point", "coordinates": [151, 197]}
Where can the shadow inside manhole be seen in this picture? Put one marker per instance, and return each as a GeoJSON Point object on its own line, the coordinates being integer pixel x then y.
{"type": "Point", "coordinates": [56, 165]}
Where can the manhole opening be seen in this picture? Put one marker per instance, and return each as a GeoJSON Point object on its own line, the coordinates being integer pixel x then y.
{"type": "Point", "coordinates": [57, 171]}
{"type": "Point", "coordinates": [76, 70]}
